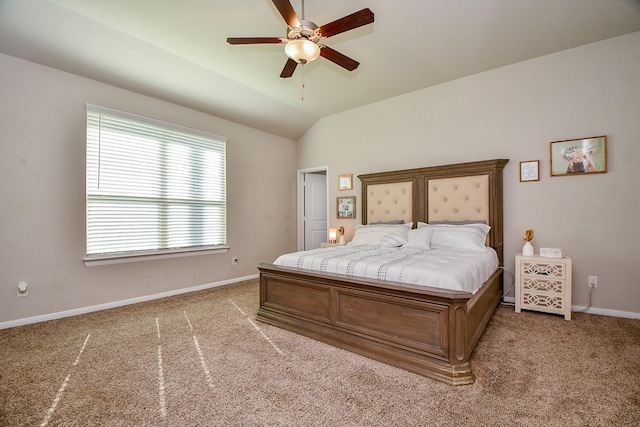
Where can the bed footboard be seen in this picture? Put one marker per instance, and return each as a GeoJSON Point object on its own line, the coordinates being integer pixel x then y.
{"type": "Point", "coordinates": [428, 331]}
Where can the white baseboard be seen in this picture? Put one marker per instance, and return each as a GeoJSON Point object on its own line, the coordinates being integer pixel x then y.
{"type": "Point", "coordinates": [606, 312]}
{"type": "Point", "coordinates": [83, 310]}
{"type": "Point", "coordinates": [592, 310]}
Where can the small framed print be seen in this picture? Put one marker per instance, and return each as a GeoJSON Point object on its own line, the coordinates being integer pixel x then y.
{"type": "Point", "coordinates": [530, 171]}
{"type": "Point", "coordinates": [579, 156]}
{"type": "Point", "coordinates": [345, 182]}
{"type": "Point", "coordinates": [346, 207]}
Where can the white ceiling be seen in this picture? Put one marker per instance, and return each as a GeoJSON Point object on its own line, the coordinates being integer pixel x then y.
{"type": "Point", "coordinates": [176, 49]}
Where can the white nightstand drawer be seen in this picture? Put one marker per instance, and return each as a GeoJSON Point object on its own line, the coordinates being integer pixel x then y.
{"type": "Point", "coordinates": [543, 268]}
{"type": "Point", "coordinates": [543, 285]}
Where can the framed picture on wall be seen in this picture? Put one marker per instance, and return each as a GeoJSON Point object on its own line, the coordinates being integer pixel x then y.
{"type": "Point", "coordinates": [345, 182]}
{"type": "Point", "coordinates": [579, 156]}
{"type": "Point", "coordinates": [346, 207]}
{"type": "Point", "coordinates": [530, 171]}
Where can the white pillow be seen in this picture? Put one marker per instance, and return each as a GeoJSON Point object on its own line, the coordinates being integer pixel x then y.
{"type": "Point", "coordinates": [466, 236]}
{"type": "Point", "coordinates": [419, 238]}
{"type": "Point", "coordinates": [395, 239]}
{"type": "Point", "coordinates": [371, 234]}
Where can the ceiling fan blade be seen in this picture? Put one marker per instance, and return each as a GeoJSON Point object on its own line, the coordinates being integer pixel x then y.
{"type": "Point", "coordinates": [338, 58]}
{"type": "Point", "coordinates": [254, 40]}
{"type": "Point", "coordinates": [288, 69]}
{"type": "Point", "coordinates": [349, 22]}
{"type": "Point", "coordinates": [287, 12]}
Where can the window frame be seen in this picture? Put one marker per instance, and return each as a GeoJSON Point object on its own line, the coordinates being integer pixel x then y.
{"type": "Point", "coordinates": [162, 233]}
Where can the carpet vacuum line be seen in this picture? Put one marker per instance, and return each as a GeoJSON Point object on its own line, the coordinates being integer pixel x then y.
{"type": "Point", "coordinates": [257, 328]}
{"type": "Point", "coordinates": [203, 362]}
{"type": "Point", "coordinates": [62, 388]}
{"type": "Point", "coordinates": [161, 389]}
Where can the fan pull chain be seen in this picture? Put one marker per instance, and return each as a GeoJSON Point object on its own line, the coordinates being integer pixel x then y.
{"type": "Point", "coordinates": [302, 88]}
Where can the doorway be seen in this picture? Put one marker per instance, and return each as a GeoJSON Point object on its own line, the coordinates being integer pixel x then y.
{"type": "Point", "coordinates": [313, 210]}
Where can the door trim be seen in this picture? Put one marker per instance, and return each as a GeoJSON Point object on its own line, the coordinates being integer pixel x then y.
{"type": "Point", "coordinates": [300, 194]}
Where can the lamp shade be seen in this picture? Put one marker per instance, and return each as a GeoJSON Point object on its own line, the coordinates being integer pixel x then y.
{"type": "Point", "coordinates": [332, 235]}
{"type": "Point", "coordinates": [302, 50]}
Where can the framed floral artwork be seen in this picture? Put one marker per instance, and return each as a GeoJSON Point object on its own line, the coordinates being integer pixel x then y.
{"type": "Point", "coordinates": [579, 156]}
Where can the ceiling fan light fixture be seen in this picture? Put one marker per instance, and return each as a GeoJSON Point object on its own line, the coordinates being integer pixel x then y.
{"type": "Point", "coordinates": [302, 50]}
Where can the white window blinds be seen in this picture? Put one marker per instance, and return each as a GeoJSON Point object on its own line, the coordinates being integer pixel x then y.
{"type": "Point", "coordinates": [152, 187]}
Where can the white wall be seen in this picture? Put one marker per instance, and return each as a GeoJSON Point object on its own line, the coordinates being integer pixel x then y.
{"type": "Point", "coordinates": [514, 113]}
{"type": "Point", "coordinates": [42, 196]}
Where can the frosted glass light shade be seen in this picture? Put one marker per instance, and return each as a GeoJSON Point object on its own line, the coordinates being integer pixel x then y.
{"type": "Point", "coordinates": [302, 50]}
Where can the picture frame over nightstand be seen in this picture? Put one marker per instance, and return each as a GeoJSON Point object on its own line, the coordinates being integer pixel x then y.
{"type": "Point", "coordinates": [579, 156]}
{"type": "Point", "coordinates": [530, 171]}
{"type": "Point", "coordinates": [346, 207]}
{"type": "Point", "coordinates": [345, 182]}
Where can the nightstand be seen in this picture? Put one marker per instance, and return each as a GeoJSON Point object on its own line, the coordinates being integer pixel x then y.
{"type": "Point", "coordinates": [543, 284]}
{"type": "Point", "coordinates": [330, 245]}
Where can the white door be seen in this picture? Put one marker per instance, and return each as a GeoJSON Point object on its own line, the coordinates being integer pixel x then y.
{"type": "Point", "coordinates": [314, 210]}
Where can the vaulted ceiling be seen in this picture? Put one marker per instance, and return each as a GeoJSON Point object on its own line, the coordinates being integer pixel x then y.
{"type": "Point", "coordinates": [177, 50]}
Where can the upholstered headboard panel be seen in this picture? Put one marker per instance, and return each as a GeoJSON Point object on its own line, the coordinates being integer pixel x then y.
{"type": "Point", "coordinates": [458, 199]}
{"type": "Point", "coordinates": [458, 192]}
{"type": "Point", "coordinates": [390, 202]}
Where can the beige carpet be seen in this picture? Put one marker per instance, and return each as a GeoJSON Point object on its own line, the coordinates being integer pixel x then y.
{"type": "Point", "coordinates": [202, 360]}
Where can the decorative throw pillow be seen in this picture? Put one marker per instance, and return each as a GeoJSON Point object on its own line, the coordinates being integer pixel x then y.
{"type": "Point", "coordinates": [419, 238]}
{"type": "Point", "coordinates": [394, 240]}
{"type": "Point", "coordinates": [371, 234]}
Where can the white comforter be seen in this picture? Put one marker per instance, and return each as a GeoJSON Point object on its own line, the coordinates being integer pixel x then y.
{"type": "Point", "coordinates": [457, 269]}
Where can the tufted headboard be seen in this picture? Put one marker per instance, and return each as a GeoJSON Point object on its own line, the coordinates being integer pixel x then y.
{"type": "Point", "coordinates": [389, 202]}
{"type": "Point", "coordinates": [458, 199]}
{"type": "Point", "coordinates": [451, 193]}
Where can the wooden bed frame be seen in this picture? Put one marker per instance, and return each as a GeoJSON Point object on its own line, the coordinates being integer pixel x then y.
{"type": "Point", "coordinates": [425, 330]}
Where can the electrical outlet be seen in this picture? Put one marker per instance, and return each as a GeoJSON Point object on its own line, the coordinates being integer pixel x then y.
{"type": "Point", "coordinates": [593, 281]}
{"type": "Point", "coordinates": [234, 260]}
{"type": "Point", "coordinates": [23, 289]}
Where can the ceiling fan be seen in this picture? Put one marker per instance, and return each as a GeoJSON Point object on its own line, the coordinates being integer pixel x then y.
{"type": "Point", "coordinates": [303, 36]}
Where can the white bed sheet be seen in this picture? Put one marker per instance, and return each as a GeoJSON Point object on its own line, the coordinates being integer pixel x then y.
{"type": "Point", "coordinates": [447, 268]}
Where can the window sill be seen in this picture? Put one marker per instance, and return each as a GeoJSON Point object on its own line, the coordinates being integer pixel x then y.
{"type": "Point", "coordinates": [121, 259]}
